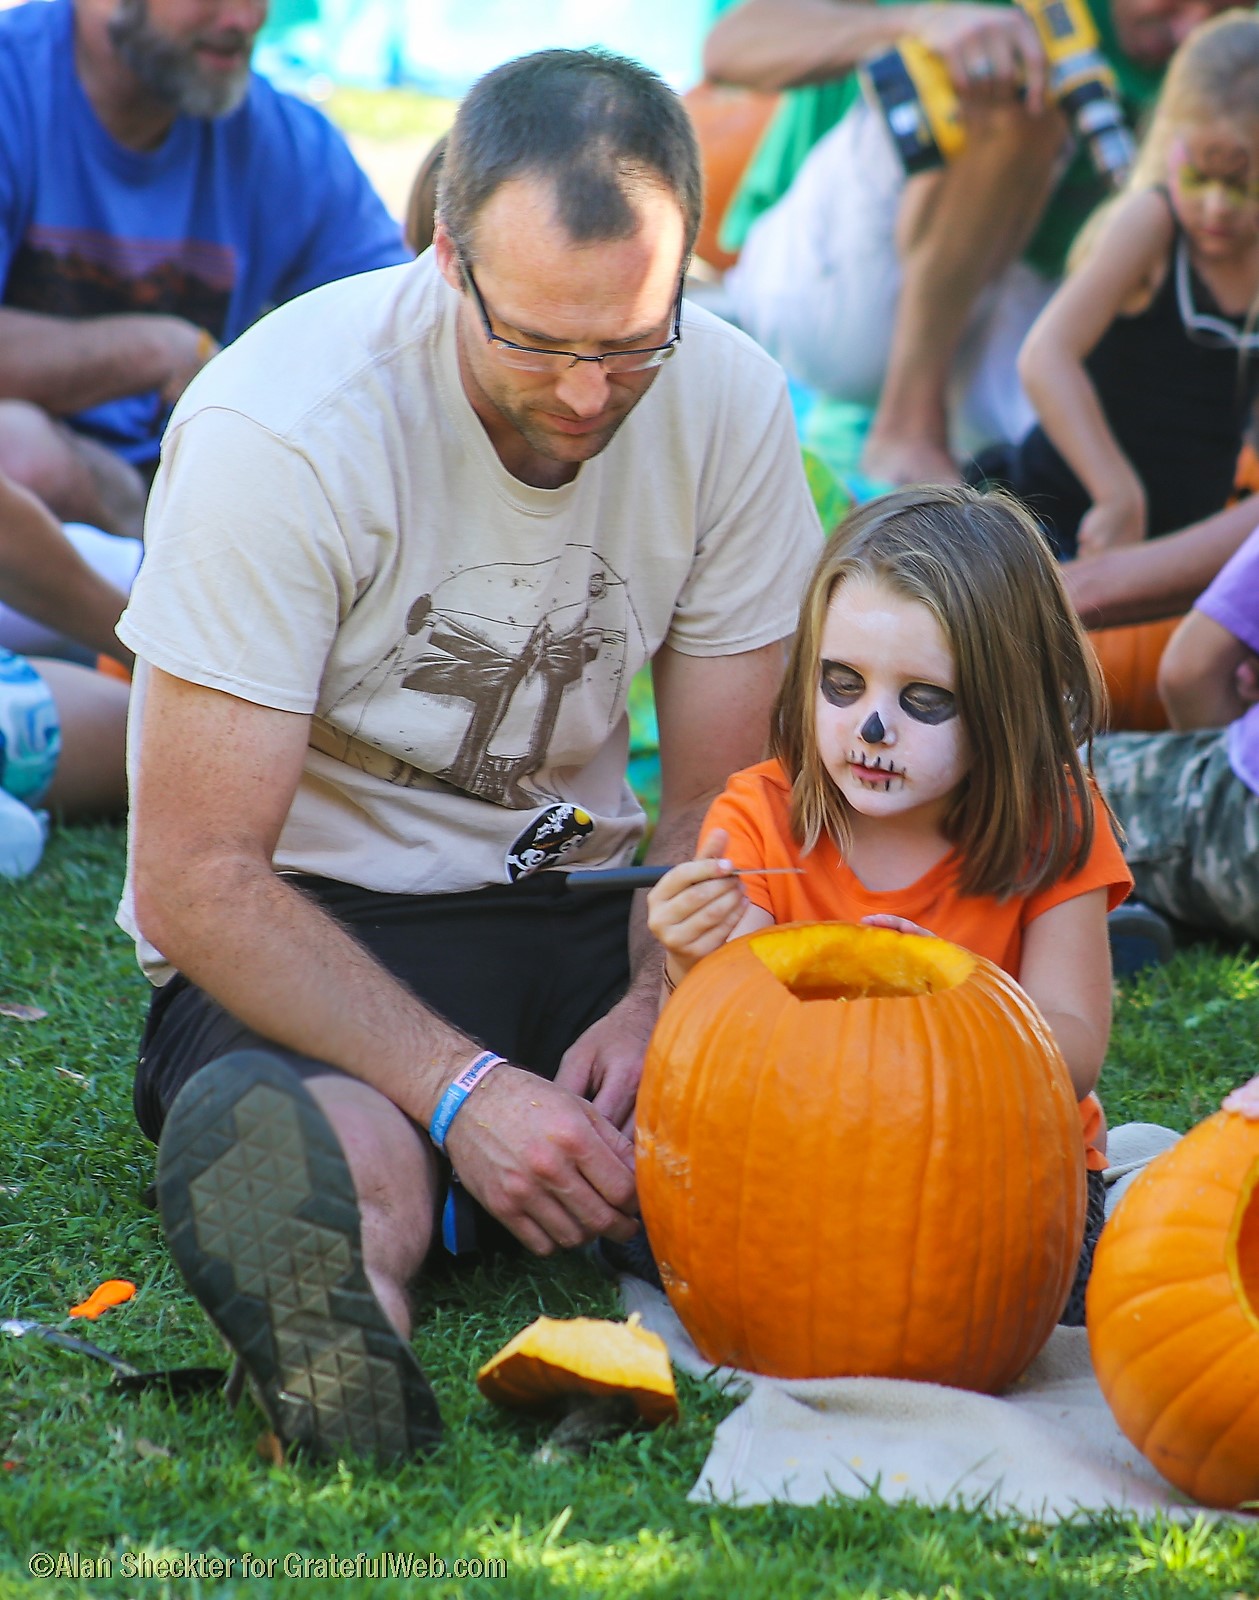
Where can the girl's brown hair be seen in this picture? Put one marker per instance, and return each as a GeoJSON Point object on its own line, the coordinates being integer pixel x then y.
{"type": "Point", "coordinates": [1028, 689]}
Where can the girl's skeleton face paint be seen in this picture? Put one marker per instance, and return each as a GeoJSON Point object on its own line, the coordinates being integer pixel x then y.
{"type": "Point", "coordinates": [888, 731]}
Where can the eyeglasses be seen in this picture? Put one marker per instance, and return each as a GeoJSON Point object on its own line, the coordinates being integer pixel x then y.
{"type": "Point", "coordinates": [1215, 333]}
{"type": "Point", "coordinates": [529, 359]}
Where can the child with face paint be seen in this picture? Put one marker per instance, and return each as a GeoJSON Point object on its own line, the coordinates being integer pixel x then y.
{"type": "Point", "coordinates": [1144, 366]}
{"type": "Point", "coordinates": [926, 774]}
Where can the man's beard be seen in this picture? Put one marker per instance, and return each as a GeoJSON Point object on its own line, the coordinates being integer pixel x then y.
{"type": "Point", "coordinates": [171, 71]}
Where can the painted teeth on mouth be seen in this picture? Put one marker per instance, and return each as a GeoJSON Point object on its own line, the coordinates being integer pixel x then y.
{"type": "Point", "coordinates": [876, 765]}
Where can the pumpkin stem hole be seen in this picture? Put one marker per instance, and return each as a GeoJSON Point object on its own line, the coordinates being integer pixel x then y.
{"type": "Point", "coordinates": [841, 961]}
{"type": "Point", "coordinates": [1246, 1246]}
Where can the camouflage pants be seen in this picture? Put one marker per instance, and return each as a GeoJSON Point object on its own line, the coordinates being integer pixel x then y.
{"type": "Point", "coordinates": [1192, 826]}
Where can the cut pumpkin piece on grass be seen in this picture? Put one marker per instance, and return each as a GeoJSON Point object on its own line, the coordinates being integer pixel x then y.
{"type": "Point", "coordinates": [560, 1364]}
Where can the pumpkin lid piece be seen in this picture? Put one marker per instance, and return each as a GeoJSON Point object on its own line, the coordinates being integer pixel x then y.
{"type": "Point", "coordinates": [555, 1358]}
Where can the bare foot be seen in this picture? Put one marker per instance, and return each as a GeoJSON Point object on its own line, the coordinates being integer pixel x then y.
{"type": "Point", "coordinates": [906, 460]}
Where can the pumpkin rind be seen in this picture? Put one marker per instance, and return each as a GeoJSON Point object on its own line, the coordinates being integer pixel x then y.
{"type": "Point", "coordinates": [1172, 1311]}
{"type": "Point", "coordinates": [885, 1185]}
{"type": "Point", "coordinates": [1129, 658]}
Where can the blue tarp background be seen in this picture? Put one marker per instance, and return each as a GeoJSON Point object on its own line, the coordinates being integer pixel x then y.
{"type": "Point", "coordinates": [440, 46]}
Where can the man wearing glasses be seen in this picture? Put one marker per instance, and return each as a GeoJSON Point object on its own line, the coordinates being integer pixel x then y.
{"type": "Point", "coordinates": [411, 538]}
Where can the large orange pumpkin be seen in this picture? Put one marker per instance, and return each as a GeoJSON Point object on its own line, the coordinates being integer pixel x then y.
{"type": "Point", "coordinates": [859, 1153]}
{"type": "Point", "coordinates": [1129, 659]}
{"type": "Point", "coordinates": [1173, 1308]}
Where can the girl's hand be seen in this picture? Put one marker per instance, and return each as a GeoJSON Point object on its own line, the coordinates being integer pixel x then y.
{"type": "Point", "coordinates": [695, 907]}
{"type": "Point", "coordinates": [882, 919]}
{"type": "Point", "coordinates": [1111, 523]}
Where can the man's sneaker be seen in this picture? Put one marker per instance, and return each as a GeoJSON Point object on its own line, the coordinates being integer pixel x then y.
{"type": "Point", "coordinates": [1139, 937]}
{"type": "Point", "coordinates": [259, 1209]}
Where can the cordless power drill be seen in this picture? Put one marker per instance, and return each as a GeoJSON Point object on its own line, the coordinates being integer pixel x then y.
{"type": "Point", "coordinates": [911, 87]}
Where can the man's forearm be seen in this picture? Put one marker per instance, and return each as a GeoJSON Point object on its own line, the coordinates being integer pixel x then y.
{"type": "Point", "coordinates": [280, 964]}
{"type": "Point", "coordinates": [780, 44]}
{"type": "Point", "coordinates": [66, 365]}
{"type": "Point", "coordinates": [1162, 577]}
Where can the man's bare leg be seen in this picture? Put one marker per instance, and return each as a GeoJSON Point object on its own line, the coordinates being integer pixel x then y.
{"type": "Point", "coordinates": [78, 479]}
{"type": "Point", "coordinates": [957, 230]}
{"type": "Point", "coordinates": [91, 775]}
{"type": "Point", "coordinates": [396, 1179]}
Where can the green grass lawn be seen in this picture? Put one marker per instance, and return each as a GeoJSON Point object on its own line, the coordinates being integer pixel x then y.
{"type": "Point", "coordinates": [389, 113]}
{"type": "Point", "coordinates": [94, 1472]}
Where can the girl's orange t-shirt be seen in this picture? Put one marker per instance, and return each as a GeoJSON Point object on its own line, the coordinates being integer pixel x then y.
{"type": "Point", "coordinates": [755, 811]}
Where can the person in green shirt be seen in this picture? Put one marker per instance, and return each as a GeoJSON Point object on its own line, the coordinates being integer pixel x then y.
{"type": "Point", "coordinates": [913, 297]}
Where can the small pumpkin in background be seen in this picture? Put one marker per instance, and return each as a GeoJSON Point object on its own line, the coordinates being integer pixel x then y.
{"type": "Point", "coordinates": [728, 124]}
{"type": "Point", "coordinates": [859, 1154]}
{"type": "Point", "coordinates": [1129, 659]}
{"type": "Point", "coordinates": [1173, 1308]}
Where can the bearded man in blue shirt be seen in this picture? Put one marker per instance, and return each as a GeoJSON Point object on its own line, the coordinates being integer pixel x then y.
{"type": "Point", "coordinates": [156, 196]}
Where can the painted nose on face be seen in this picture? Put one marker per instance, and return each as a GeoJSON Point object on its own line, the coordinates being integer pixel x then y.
{"type": "Point", "coordinates": [873, 731]}
{"type": "Point", "coordinates": [583, 388]}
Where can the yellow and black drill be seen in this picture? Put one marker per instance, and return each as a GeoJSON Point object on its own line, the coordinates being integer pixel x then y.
{"type": "Point", "coordinates": [911, 87]}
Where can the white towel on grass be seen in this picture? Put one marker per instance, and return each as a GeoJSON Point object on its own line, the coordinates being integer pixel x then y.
{"type": "Point", "coordinates": [1046, 1449]}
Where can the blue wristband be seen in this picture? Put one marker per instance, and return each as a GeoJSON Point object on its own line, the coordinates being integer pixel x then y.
{"type": "Point", "coordinates": [450, 1104]}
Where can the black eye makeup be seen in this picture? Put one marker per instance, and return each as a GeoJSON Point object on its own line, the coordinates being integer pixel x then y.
{"type": "Point", "coordinates": [927, 702]}
{"type": "Point", "coordinates": [924, 702]}
{"type": "Point", "coordinates": [839, 684]}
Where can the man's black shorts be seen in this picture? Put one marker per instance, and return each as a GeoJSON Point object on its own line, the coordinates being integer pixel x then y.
{"type": "Point", "coordinates": [523, 969]}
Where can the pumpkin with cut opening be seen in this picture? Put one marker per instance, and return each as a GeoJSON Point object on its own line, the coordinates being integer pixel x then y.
{"type": "Point", "coordinates": [859, 1154]}
{"type": "Point", "coordinates": [1173, 1308]}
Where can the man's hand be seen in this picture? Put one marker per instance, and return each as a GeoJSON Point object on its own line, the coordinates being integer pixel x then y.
{"type": "Point", "coordinates": [992, 52]}
{"type": "Point", "coordinates": [185, 350]}
{"type": "Point", "coordinates": [545, 1163]}
{"type": "Point", "coordinates": [606, 1062]}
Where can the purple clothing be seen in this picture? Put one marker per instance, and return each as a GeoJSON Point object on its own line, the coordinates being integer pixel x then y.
{"type": "Point", "coordinates": [1233, 601]}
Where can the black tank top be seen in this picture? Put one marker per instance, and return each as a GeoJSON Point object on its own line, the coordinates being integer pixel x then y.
{"type": "Point", "coordinates": [1177, 399]}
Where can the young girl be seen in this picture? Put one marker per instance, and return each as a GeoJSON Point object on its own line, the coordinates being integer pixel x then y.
{"type": "Point", "coordinates": [1141, 367]}
{"type": "Point", "coordinates": [925, 774]}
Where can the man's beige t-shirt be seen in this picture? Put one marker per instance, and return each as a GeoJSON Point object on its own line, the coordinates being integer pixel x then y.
{"type": "Point", "coordinates": [332, 533]}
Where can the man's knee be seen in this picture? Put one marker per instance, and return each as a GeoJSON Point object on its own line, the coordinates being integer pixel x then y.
{"type": "Point", "coordinates": [32, 449]}
{"type": "Point", "coordinates": [1007, 149]}
{"type": "Point", "coordinates": [394, 1169]}
{"type": "Point", "coordinates": [79, 479]}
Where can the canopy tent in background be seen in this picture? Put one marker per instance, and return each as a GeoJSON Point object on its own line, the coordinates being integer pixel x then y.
{"type": "Point", "coordinates": [441, 46]}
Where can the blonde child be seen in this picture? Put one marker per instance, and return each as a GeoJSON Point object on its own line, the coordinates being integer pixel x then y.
{"type": "Point", "coordinates": [1141, 367]}
{"type": "Point", "coordinates": [925, 774]}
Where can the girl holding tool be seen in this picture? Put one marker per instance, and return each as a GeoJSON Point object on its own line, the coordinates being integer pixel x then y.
{"type": "Point", "coordinates": [925, 774]}
{"type": "Point", "coordinates": [1142, 367]}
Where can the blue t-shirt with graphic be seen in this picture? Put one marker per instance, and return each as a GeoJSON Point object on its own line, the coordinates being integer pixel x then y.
{"type": "Point", "coordinates": [228, 217]}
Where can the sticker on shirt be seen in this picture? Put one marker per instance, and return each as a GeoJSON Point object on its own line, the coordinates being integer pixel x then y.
{"type": "Point", "coordinates": [519, 666]}
{"type": "Point", "coordinates": [548, 837]}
